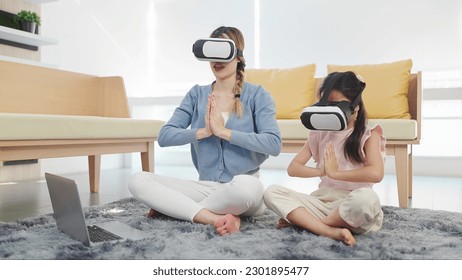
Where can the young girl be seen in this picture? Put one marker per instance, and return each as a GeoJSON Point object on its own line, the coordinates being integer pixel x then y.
{"type": "Point", "coordinates": [348, 163]}
{"type": "Point", "coordinates": [231, 127]}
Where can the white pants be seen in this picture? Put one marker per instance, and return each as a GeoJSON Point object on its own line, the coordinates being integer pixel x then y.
{"type": "Point", "coordinates": [183, 199]}
{"type": "Point", "coordinates": [360, 208]}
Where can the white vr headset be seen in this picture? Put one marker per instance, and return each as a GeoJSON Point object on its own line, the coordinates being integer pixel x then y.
{"type": "Point", "coordinates": [331, 116]}
{"type": "Point", "coordinates": [215, 49]}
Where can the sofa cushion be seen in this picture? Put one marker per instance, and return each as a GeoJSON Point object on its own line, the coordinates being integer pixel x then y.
{"type": "Point", "coordinates": [397, 129]}
{"type": "Point", "coordinates": [394, 129]}
{"type": "Point", "coordinates": [385, 95]}
{"type": "Point", "coordinates": [292, 129]}
{"type": "Point", "coordinates": [293, 89]}
{"type": "Point", "coordinates": [43, 127]}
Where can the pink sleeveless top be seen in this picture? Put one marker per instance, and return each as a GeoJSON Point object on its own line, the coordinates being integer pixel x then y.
{"type": "Point", "coordinates": [318, 141]}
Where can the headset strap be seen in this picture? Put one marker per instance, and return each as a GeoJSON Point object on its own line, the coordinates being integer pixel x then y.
{"type": "Point", "coordinates": [328, 89]}
{"type": "Point", "coordinates": [220, 32]}
{"type": "Point", "coordinates": [356, 101]}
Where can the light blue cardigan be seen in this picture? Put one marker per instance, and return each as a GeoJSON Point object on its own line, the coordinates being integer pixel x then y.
{"type": "Point", "coordinates": [254, 136]}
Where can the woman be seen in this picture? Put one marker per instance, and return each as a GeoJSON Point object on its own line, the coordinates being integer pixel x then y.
{"type": "Point", "coordinates": [232, 129]}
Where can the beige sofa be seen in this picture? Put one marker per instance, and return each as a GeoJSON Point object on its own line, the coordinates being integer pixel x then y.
{"type": "Point", "coordinates": [398, 110]}
{"type": "Point", "coordinates": [49, 113]}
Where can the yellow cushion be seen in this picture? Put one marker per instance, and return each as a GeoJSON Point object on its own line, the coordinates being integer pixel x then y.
{"type": "Point", "coordinates": [385, 95]}
{"type": "Point", "coordinates": [293, 89]}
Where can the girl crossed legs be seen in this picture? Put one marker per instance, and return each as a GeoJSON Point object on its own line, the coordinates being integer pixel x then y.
{"type": "Point", "coordinates": [327, 212]}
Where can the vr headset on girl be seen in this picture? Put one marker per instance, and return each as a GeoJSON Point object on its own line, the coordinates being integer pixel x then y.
{"type": "Point", "coordinates": [330, 116]}
{"type": "Point", "coordinates": [216, 49]}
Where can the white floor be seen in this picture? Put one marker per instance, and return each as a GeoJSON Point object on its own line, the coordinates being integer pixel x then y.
{"type": "Point", "coordinates": [30, 198]}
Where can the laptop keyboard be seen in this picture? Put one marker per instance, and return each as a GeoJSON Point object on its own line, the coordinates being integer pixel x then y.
{"type": "Point", "coordinates": [98, 234]}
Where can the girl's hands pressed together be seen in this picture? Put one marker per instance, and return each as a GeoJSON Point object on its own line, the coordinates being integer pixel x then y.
{"type": "Point", "coordinates": [330, 161]}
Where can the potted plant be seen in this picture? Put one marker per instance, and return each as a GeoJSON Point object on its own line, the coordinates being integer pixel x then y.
{"type": "Point", "coordinates": [27, 20]}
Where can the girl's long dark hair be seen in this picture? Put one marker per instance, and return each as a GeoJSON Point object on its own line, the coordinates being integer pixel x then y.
{"type": "Point", "coordinates": [350, 86]}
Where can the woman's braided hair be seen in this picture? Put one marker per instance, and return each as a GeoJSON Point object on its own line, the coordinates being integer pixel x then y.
{"type": "Point", "coordinates": [238, 39]}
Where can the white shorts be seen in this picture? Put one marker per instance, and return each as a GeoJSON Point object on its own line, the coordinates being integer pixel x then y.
{"type": "Point", "coordinates": [359, 208]}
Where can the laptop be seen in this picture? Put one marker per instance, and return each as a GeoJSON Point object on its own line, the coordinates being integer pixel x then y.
{"type": "Point", "coordinates": [70, 219]}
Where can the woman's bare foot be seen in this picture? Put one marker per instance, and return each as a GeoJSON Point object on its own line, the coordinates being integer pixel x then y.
{"type": "Point", "coordinates": [344, 235]}
{"type": "Point", "coordinates": [154, 214]}
{"type": "Point", "coordinates": [227, 224]}
{"type": "Point", "coordinates": [282, 223]}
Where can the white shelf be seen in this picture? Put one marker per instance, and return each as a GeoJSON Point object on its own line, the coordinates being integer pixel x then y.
{"type": "Point", "coordinates": [39, 1]}
{"type": "Point", "coordinates": [24, 37]}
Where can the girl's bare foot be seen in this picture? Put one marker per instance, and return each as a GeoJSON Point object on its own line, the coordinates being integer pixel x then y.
{"type": "Point", "coordinates": [344, 235]}
{"type": "Point", "coordinates": [282, 223]}
{"type": "Point", "coordinates": [348, 238]}
{"type": "Point", "coordinates": [227, 224]}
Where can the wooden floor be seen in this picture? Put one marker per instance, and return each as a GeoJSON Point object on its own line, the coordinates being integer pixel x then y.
{"type": "Point", "coordinates": [30, 198]}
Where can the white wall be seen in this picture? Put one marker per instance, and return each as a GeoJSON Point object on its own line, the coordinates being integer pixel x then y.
{"type": "Point", "coordinates": [358, 31]}
{"type": "Point", "coordinates": [148, 42]}
{"type": "Point", "coordinates": [101, 37]}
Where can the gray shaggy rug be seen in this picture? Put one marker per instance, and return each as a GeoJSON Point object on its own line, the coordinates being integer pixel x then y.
{"type": "Point", "coordinates": [406, 234]}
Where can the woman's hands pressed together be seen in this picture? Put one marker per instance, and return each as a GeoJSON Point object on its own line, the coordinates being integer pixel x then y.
{"type": "Point", "coordinates": [214, 122]}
